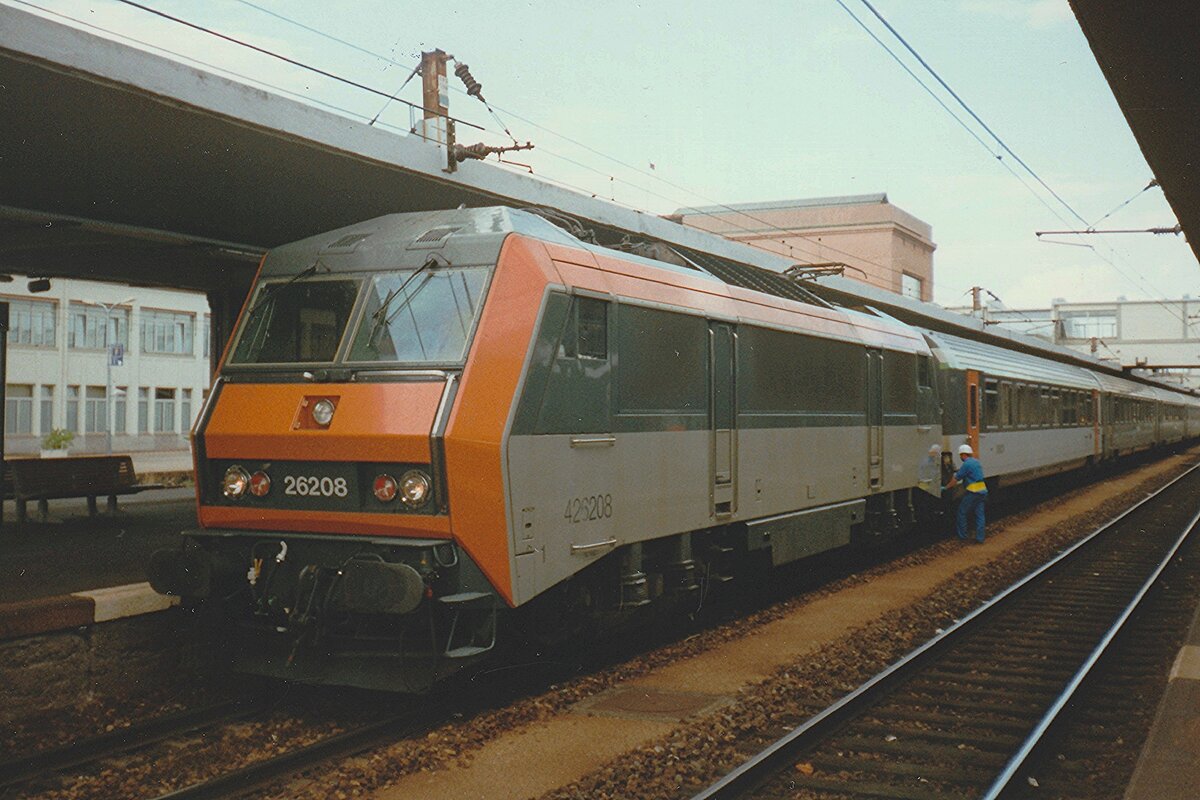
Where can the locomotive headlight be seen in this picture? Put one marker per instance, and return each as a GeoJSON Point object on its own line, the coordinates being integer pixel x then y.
{"type": "Point", "coordinates": [235, 482]}
{"type": "Point", "coordinates": [415, 486]}
{"type": "Point", "coordinates": [385, 488]}
{"type": "Point", "coordinates": [322, 412]}
{"type": "Point", "coordinates": [260, 484]}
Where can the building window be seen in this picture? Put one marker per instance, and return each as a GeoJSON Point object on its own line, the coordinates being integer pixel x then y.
{"type": "Point", "coordinates": [164, 410]}
{"type": "Point", "coordinates": [910, 286]}
{"type": "Point", "coordinates": [185, 410]}
{"type": "Point", "coordinates": [1088, 324]}
{"type": "Point", "coordinates": [207, 334]}
{"type": "Point", "coordinates": [46, 412]}
{"type": "Point", "coordinates": [18, 408]}
{"type": "Point", "coordinates": [167, 332]}
{"type": "Point", "coordinates": [120, 396]}
{"type": "Point", "coordinates": [72, 421]}
{"type": "Point", "coordinates": [87, 327]}
{"type": "Point", "coordinates": [32, 322]}
{"type": "Point", "coordinates": [95, 406]}
{"type": "Point", "coordinates": [143, 409]}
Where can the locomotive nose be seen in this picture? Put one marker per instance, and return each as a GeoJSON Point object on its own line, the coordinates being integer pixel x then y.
{"type": "Point", "coordinates": [337, 458]}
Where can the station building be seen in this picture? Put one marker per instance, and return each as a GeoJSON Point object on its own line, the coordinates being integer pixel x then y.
{"type": "Point", "coordinates": [880, 244]}
{"type": "Point", "coordinates": [68, 344]}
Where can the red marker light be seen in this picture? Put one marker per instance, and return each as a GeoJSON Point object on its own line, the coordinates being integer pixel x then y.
{"type": "Point", "coordinates": [260, 484]}
{"type": "Point", "coordinates": [385, 488]}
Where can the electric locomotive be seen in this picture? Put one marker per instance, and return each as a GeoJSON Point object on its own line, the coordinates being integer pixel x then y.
{"type": "Point", "coordinates": [428, 422]}
{"type": "Point", "coordinates": [433, 432]}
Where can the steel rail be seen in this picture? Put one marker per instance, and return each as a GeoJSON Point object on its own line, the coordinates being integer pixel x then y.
{"type": "Point", "coordinates": [770, 761]}
{"type": "Point", "coordinates": [83, 751]}
{"type": "Point", "coordinates": [251, 776]}
{"type": "Point", "coordinates": [1021, 757]}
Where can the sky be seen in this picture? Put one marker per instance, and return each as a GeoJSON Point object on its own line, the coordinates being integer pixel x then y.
{"type": "Point", "coordinates": [663, 105]}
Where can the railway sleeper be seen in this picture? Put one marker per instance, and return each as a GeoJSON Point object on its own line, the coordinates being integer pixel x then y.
{"type": "Point", "coordinates": [927, 701]}
{"type": "Point", "coordinates": [1020, 652]}
{"type": "Point", "coordinates": [913, 791]}
{"type": "Point", "coordinates": [1001, 668]}
{"type": "Point", "coordinates": [949, 721]}
{"type": "Point", "coordinates": [938, 752]}
{"type": "Point", "coordinates": [1054, 618]}
{"type": "Point", "coordinates": [993, 677]}
{"type": "Point", "coordinates": [967, 689]}
{"type": "Point", "coordinates": [993, 741]}
{"type": "Point", "coordinates": [933, 772]}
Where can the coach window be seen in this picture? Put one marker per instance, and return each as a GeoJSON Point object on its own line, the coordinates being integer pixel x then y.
{"type": "Point", "coordinates": [991, 404]}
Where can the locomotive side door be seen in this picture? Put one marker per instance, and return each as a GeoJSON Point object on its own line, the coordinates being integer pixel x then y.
{"type": "Point", "coordinates": [722, 341]}
{"type": "Point", "coordinates": [875, 418]}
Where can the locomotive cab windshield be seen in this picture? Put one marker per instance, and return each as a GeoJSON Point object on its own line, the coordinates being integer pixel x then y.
{"type": "Point", "coordinates": [422, 317]}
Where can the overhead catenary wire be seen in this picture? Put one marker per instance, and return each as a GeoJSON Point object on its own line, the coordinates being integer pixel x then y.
{"type": "Point", "coordinates": [1153, 183]}
{"type": "Point", "coordinates": [1140, 283]}
{"type": "Point", "coordinates": [998, 157]}
{"type": "Point", "coordinates": [970, 110]}
{"type": "Point", "coordinates": [358, 48]}
{"type": "Point", "coordinates": [724, 207]}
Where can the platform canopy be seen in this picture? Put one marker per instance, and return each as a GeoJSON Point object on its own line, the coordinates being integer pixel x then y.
{"type": "Point", "coordinates": [1150, 56]}
{"type": "Point", "coordinates": [120, 164]}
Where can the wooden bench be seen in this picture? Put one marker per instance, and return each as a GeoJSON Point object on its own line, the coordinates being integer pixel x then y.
{"type": "Point", "coordinates": [45, 479]}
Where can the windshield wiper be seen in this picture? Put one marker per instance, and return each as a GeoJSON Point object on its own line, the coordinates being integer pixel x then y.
{"type": "Point", "coordinates": [272, 289]}
{"type": "Point", "coordinates": [381, 315]}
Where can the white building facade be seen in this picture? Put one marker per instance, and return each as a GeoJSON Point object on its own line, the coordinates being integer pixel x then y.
{"type": "Point", "coordinates": [81, 344]}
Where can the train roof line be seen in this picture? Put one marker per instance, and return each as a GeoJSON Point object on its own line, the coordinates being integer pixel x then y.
{"type": "Point", "coordinates": [732, 263]}
{"type": "Point", "coordinates": [751, 268]}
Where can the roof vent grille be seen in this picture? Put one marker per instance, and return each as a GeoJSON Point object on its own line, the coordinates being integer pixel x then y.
{"type": "Point", "coordinates": [346, 244]}
{"type": "Point", "coordinates": [436, 237]}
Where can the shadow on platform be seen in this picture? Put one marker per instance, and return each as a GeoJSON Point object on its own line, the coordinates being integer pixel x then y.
{"type": "Point", "coordinates": [72, 552]}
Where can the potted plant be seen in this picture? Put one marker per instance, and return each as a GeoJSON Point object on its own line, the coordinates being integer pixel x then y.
{"type": "Point", "coordinates": [56, 443]}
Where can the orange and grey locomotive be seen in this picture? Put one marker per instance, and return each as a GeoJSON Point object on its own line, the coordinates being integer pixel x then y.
{"type": "Point", "coordinates": [432, 431]}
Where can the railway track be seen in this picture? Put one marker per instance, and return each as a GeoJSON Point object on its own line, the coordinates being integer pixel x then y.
{"type": "Point", "coordinates": [97, 748]}
{"type": "Point", "coordinates": [260, 773]}
{"type": "Point", "coordinates": [961, 715]}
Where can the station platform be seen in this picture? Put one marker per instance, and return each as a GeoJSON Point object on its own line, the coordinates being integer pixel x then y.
{"type": "Point", "coordinates": [74, 569]}
{"type": "Point", "coordinates": [1169, 765]}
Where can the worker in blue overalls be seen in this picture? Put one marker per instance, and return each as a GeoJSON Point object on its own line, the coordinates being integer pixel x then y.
{"type": "Point", "coordinates": [971, 476]}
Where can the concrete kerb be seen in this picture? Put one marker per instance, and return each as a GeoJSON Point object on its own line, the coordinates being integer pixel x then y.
{"type": "Point", "coordinates": [1168, 767]}
{"type": "Point", "coordinates": [63, 612]}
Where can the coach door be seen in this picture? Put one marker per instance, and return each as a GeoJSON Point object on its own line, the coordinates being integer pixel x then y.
{"type": "Point", "coordinates": [723, 417]}
{"type": "Point", "coordinates": [875, 418]}
{"type": "Point", "coordinates": [973, 410]}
